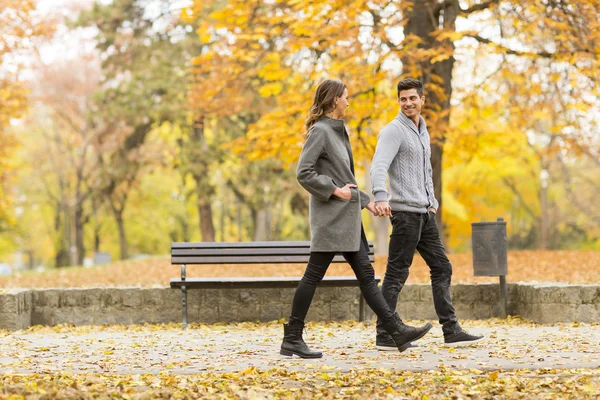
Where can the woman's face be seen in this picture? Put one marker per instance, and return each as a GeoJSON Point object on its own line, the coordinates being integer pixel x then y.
{"type": "Point", "coordinates": [341, 103]}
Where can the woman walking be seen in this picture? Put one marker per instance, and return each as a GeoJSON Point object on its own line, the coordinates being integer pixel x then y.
{"type": "Point", "coordinates": [326, 171]}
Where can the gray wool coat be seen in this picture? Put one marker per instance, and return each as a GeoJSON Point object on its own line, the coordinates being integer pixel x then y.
{"type": "Point", "coordinates": [326, 162]}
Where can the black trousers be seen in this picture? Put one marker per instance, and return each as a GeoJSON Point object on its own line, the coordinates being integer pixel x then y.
{"type": "Point", "coordinates": [413, 231]}
{"type": "Point", "coordinates": [359, 261]}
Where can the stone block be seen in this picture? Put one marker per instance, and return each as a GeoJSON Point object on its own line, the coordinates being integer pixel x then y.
{"type": "Point", "coordinates": [463, 311]}
{"type": "Point", "coordinates": [420, 310]}
{"type": "Point", "coordinates": [286, 295]}
{"type": "Point", "coordinates": [132, 298]}
{"type": "Point", "coordinates": [271, 296]}
{"type": "Point", "coordinates": [109, 298]}
{"type": "Point", "coordinates": [589, 294]}
{"type": "Point", "coordinates": [249, 312]}
{"type": "Point", "coordinates": [326, 294]}
{"type": "Point", "coordinates": [76, 316]}
{"type": "Point", "coordinates": [206, 314]}
{"type": "Point", "coordinates": [554, 294]}
{"type": "Point", "coordinates": [8, 303]}
{"type": "Point", "coordinates": [43, 316]}
{"type": "Point", "coordinates": [153, 297]}
{"type": "Point", "coordinates": [230, 296]}
{"type": "Point", "coordinates": [586, 313]}
{"type": "Point", "coordinates": [414, 292]}
{"type": "Point", "coordinates": [15, 309]}
{"type": "Point", "coordinates": [465, 293]}
{"type": "Point", "coordinates": [164, 316]}
{"type": "Point", "coordinates": [354, 310]}
{"type": "Point", "coordinates": [249, 297]}
{"type": "Point", "coordinates": [340, 312]}
{"type": "Point", "coordinates": [195, 298]}
{"type": "Point", "coordinates": [489, 294]}
{"type": "Point", "coordinates": [349, 294]}
{"type": "Point", "coordinates": [271, 312]}
{"type": "Point", "coordinates": [45, 298]}
{"type": "Point", "coordinates": [228, 312]}
{"type": "Point", "coordinates": [319, 312]}
{"type": "Point", "coordinates": [482, 311]}
{"type": "Point", "coordinates": [171, 298]}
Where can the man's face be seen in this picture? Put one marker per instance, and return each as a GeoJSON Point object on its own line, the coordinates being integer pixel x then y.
{"type": "Point", "coordinates": [411, 103]}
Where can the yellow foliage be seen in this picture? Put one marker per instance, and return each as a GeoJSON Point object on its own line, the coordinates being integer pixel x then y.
{"type": "Point", "coordinates": [16, 25]}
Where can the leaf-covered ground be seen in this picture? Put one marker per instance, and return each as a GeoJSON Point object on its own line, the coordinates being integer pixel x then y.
{"type": "Point", "coordinates": [523, 266]}
{"type": "Point", "coordinates": [520, 360]}
{"type": "Point", "coordinates": [282, 384]}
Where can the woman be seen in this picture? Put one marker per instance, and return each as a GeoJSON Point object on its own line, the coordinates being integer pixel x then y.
{"type": "Point", "coordinates": [326, 171]}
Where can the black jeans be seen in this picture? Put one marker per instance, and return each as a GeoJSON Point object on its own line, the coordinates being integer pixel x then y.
{"type": "Point", "coordinates": [413, 231]}
{"type": "Point", "coordinates": [315, 271]}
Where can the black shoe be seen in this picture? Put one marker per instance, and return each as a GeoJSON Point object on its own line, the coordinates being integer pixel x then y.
{"type": "Point", "coordinates": [461, 338]}
{"type": "Point", "coordinates": [386, 343]}
{"type": "Point", "coordinates": [403, 334]}
{"type": "Point", "coordinates": [293, 342]}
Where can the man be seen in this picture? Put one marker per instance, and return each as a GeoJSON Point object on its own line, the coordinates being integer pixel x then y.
{"type": "Point", "coordinates": [403, 152]}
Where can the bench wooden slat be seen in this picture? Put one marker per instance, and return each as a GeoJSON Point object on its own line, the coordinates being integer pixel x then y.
{"type": "Point", "coordinates": [262, 282]}
{"type": "Point", "coordinates": [240, 245]}
{"type": "Point", "coordinates": [244, 259]}
{"type": "Point", "coordinates": [243, 245]}
{"type": "Point", "coordinates": [287, 251]}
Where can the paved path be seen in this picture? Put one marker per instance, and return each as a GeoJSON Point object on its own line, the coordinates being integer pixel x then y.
{"type": "Point", "coordinates": [237, 347]}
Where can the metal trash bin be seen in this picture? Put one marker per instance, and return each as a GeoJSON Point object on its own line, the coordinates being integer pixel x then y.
{"type": "Point", "coordinates": [490, 252]}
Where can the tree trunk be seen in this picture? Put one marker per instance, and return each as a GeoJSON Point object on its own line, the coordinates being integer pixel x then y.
{"type": "Point", "coordinates": [204, 189]}
{"type": "Point", "coordinates": [122, 235]}
{"type": "Point", "coordinates": [262, 224]}
{"type": "Point", "coordinates": [423, 20]}
{"type": "Point", "coordinates": [207, 228]}
{"type": "Point", "coordinates": [79, 223]}
{"type": "Point", "coordinates": [61, 259]}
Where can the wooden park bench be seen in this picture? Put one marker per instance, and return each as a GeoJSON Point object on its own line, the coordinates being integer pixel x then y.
{"type": "Point", "coordinates": [185, 253]}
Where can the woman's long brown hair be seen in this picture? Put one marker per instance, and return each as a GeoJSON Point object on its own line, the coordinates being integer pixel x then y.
{"type": "Point", "coordinates": [324, 101]}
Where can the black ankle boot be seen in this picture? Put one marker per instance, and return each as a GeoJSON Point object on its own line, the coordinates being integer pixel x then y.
{"type": "Point", "coordinates": [293, 342]}
{"type": "Point", "coordinates": [403, 334]}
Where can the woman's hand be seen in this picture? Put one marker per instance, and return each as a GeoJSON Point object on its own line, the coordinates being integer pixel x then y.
{"type": "Point", "coordinates": [344, 193]}
{"type": "Point", "coordinates": [372, 209]}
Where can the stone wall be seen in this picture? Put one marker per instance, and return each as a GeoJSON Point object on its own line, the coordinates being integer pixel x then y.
{"type": "Point", "coordinates": [540, 303]}
{"type": "Point", "coordinates": [551, 303]}
{"type": "Point", "coordinates": [15, 309]}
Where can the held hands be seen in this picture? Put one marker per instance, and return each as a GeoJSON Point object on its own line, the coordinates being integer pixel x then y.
{"type": "Point", "coordinates": [344, 193]}
{"type": "Point", "coordinates": [380, 209]}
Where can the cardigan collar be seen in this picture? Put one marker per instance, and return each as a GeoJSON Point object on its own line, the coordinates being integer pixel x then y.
{"type": "Point", "coordinates": [410, 124]}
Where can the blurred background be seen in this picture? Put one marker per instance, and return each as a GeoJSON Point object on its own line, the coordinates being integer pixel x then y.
{"type": "Point", "coordinates": [128, 124]}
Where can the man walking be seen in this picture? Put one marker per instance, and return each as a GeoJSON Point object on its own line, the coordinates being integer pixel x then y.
{"type": "Point", "coordinates": [403, 152]}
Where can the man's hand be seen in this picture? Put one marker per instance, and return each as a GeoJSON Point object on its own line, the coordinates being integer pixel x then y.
{"type": "Point", "coordinates": [383, 209]}
{"type": "Point", "coordinates": [344, 193]}
{"type": "Point", "coordinates": [433, 210]}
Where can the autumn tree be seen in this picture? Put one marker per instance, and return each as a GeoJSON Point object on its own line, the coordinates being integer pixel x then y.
{"type": "Point", "coordinates": [370, 45]}
{"type": "Point", "coordinates": [19, 26]}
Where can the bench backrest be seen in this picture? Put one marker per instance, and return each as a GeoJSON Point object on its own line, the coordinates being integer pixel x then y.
{"type": "Point", "coordinates": [246, 253]}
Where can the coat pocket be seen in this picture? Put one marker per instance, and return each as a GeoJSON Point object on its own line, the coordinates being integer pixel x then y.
{"type": "Point", "coordinates": [355, 195]}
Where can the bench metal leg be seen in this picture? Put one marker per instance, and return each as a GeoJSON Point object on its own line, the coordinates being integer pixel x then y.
{"type": "Point", "coordinates": [362, 308]}
{"type": "Point", "coordinates": [184, 298]}
{"type": "Point", "coordinates": [184, 303]}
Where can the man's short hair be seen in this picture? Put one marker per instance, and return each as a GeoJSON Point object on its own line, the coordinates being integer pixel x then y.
{"type": "Point", "coordinates": [410, 83]}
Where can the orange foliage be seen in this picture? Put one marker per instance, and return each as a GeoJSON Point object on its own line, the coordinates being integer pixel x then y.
{"type": "Point", "coordinates": [578, 267]}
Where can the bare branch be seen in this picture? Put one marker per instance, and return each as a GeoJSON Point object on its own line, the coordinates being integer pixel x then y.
{"type": "Point", "coordinates": [507, 50]}
{"type": "Point", "coordinates": [514, 189]}
{"type": "Point", "coordinates": [479, 7]}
